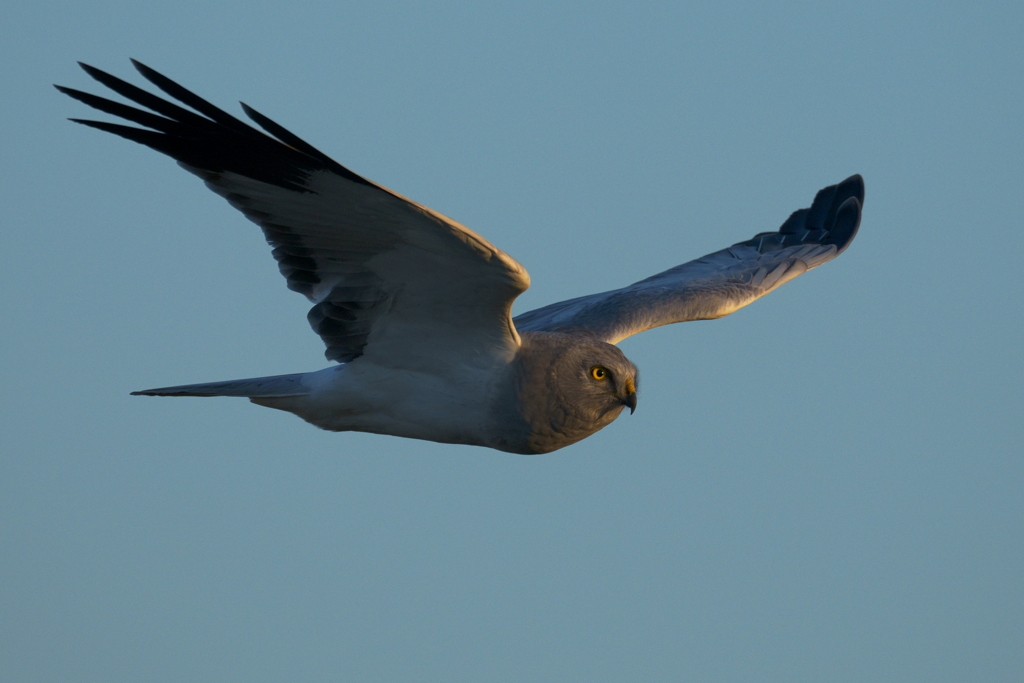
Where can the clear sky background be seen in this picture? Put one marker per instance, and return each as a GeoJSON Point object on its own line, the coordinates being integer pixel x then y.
{"type": "Point", "coordinates": [825, 486]}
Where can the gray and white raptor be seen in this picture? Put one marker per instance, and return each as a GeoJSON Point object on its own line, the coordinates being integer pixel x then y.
{"type": "Point", "coordinates": [416, 308]}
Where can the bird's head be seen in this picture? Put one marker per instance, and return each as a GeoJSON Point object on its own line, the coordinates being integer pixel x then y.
{"type": "Point", "coordinates": [597, 380]}
{"type": "Point", "coordinates": [568, 388]}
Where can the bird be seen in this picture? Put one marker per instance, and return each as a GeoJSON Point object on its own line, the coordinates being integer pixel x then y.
{"type": "Point", "coordinates": [415, 309]}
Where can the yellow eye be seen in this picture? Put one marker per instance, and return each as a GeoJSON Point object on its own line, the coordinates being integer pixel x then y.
{"type": "Point", "coordinates": [597, 372]}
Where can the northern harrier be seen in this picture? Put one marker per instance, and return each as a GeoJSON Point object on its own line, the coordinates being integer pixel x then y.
{"type": "Point", "coordinates": [416, 308]}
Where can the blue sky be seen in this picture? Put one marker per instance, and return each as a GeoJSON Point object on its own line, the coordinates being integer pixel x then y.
{"type": "Point", "coordinates": [823, 486]}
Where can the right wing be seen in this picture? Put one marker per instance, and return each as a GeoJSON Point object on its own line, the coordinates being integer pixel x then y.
{"type": "Point", "coordinates": [719, 283]}
{"type": "Point", "coordinates": [388, 277]}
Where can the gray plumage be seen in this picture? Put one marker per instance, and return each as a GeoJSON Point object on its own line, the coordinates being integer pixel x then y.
{"type": "Point", "coordinates": [551, 399]}
{"type": "Point", "coordinates": [417, 308]}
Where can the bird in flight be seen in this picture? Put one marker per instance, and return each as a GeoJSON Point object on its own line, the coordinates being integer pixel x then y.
{"type": "Point", "coordinates": [416, 308]}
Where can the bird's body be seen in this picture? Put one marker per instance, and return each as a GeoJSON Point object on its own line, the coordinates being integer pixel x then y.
{"type": "Point", "coordinates": [506, 404]}
{"type": "Point", "coordinates": [417, 308]}
{"type": "Point", "coordinates": [365, 397]}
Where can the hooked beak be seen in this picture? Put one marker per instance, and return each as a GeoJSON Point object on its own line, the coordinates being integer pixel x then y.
{"type": "Point", "coordinates": [630, 399]}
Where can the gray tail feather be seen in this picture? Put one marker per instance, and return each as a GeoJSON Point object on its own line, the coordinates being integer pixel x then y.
{"type": "Point", "coordinates": [254, 387]}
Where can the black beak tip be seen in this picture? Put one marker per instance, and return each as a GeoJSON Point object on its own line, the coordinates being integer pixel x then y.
{"type": "Point", "coordinates": [631, 402]}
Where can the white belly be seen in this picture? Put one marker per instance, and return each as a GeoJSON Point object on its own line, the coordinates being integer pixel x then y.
{"type": "Point", "coordinates": [452, 406]}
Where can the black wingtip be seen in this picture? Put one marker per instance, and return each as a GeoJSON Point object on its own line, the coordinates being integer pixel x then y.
{"type": "Point", "coordinates": [211, 139]}
{"type": "Point", "coordinates": [852, 187]}
{"type": "Point", "coordinates": [147, 72]}
{"type": "Point", "coordinates": [833, 218]}
{"type": "Point", "coordinates": [842, 229]}
{"type": "Point", "coordinates": [846, 223]}
{"type": "Point", "coordinates": [163, 392]}
{"type": "Point", "coordinates": [98, 74]}
{"type": "Point", "coordinates": [822, 214]}
{"type": "Point", "coordinates": [93, 124]}
{"type": "Point", "coordinates": [70, 92]}
{"type": "Point", "coordinates": [251, 113]}
{"type": "Point", "coordinates": [297, 143]}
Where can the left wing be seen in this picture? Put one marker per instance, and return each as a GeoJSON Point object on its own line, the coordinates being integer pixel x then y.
{"type": "Point", "coordinates": [389, 278]}
{"type": "Point", "coordinates": [719, 283]}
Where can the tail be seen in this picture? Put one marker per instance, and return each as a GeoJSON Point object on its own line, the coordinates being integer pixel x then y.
{"type": "Point", "coordinates": [254, 387]}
